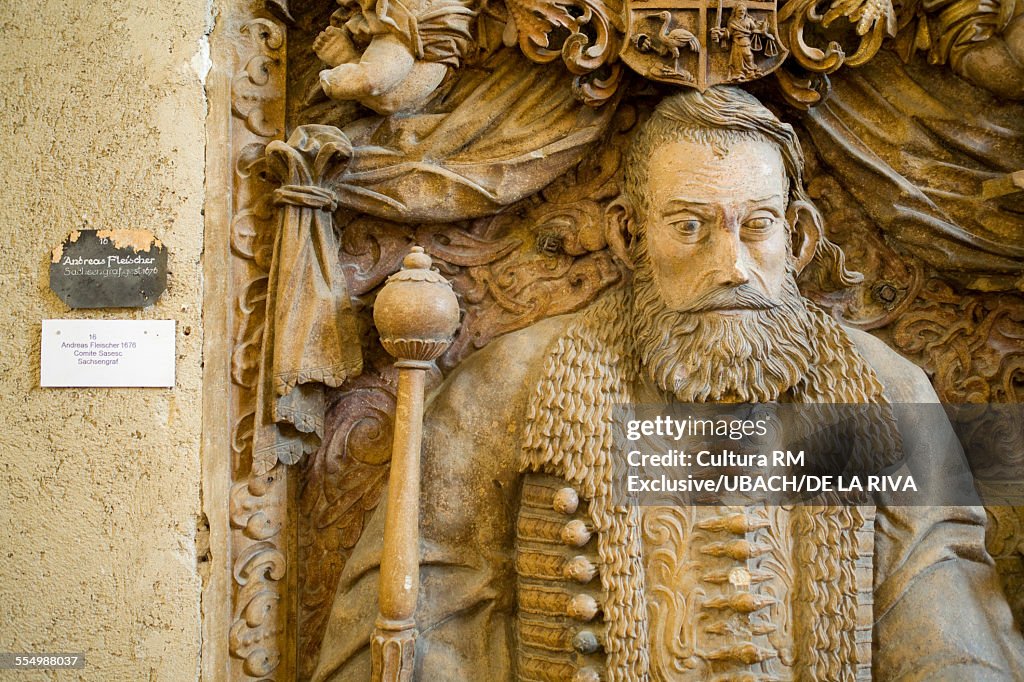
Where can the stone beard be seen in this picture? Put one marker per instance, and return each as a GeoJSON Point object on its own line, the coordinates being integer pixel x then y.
{"type": "Point", "coordinates": [702, 355]}
{"type": "Point", "coordinates": [772, 350]}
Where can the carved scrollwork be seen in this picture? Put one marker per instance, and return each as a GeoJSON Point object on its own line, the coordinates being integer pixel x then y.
{"type": "Point", "coordinates": [253, 89]}
{"type": "Point", "coordinates": [252, 511]}
{"type": "Point", "coordinates": [819, 39]}
{"type": "Point", "coordinates": [342, 483]}
{"type": "Point", "coordinates": [372, 250]}
{"type": "Point", "coordinates": [873, 21]}
{"type": "Point", "coordinates": [252, 227]}
{"type": "Point", "coordinates": [257, 510]}
{"type": "Point", "coordinates": [254, 635]}
{"type": "Point", "coordinates": [241, 434]}
{"type": "Point", "coordinates": [586, 34]}
{"type": "Point", "coordinates": [245, 358]}
{"type": "Point", "coordinates": [803, 90]}
{"type": "Point", "coordinates": [970, 344]}
{"type": "Point", "coordinates": [514, 293]}
{"type": "Point", "coordinates": [258, 503]}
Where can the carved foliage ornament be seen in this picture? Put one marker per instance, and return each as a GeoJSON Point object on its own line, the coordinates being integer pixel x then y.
{"type": "Point", "coordinates": [701, 43]}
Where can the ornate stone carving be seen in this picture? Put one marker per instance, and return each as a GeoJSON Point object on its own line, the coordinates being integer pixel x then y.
{"type": "Point", "coordinates": [683, 46]}
{"type": "Point", "coordinates": [391, 56]}
{"type": "Point", "coordinates": [258, 511]}
{"type": "Point", "coordinates": [417, 314]}
{"type": "Point", "coordinates": [531, 248]}
{"type": "Point", "coordinates": [255, 91]}
{"type": "Point", "coordinates": [309, 339]}
{"type": "Point", "coordinates": [259, 507]}
{"type": "Point", "coordinates": [585, 34]}
{"type": "Point", "coordinates": [342, 483]}
{"type": "Point", "coordinates": [786, 592]}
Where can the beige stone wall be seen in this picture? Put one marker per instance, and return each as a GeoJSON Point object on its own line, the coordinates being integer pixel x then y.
{"type": "Point", "coordinates": [103, 117]}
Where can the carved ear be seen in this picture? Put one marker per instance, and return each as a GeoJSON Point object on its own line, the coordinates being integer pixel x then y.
{"type": "Point", "coordinates": [805, 222]}
{"type": "Point", "coordinates": [618, 229]}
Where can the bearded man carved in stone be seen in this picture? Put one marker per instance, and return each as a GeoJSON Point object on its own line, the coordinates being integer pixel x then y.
{"type": "Point", "coordinates": [531, 572]}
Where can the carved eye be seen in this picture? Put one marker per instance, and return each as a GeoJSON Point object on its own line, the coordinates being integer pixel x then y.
{"type": "Point", "coordinates": [688, 229]}
{"type": "Point", "coordinates": [759, 226]}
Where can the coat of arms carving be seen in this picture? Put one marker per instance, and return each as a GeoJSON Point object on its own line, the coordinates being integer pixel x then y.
{"type": "Point", "coordinates": [701, 43]}
{"type": "Point", "coordinates": [698, 44]}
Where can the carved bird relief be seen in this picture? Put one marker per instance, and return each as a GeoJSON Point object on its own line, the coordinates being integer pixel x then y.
{"type": "Point", "coordinates": [668, 42]}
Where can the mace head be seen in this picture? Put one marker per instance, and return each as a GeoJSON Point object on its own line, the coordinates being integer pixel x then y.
{"type": "Point", "coordinates": [416, 312]}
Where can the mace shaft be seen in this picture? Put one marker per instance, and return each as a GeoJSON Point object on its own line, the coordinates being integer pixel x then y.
{"type": "Point", "coordinates": [395, 636]}
{"type": "Point", "coordinates": [417, 314]}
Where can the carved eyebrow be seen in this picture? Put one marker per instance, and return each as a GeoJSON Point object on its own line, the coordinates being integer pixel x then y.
{"type": "Point", "coordinates": [677, 204]}
{"type": "Point", "coordinates": [701, 202]}
{"type": "Point", "coordinates": [688, 201]}
{"type": "Point", "coordinates": [680, 205]}
{"type": "Point", "coordinates": [765, 200]}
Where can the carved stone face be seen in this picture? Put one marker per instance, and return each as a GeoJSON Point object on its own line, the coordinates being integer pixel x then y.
{"type": "Point", "coordinates": [716, 221]}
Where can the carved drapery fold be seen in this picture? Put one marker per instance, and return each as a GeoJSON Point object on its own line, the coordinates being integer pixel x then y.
{"type": "Point", "coordinates": [499, 135]}
{"type": "Point", "coordinates": [311, 338]}
{"type": "Point", "coordinates": [433, 30]}
{"type": "Point", "coordinates": [916, 165]}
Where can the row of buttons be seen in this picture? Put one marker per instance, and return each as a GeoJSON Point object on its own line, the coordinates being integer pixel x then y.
{"type": "Point", "coordinates": [581, 570]}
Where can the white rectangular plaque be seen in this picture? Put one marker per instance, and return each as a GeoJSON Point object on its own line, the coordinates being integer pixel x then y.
{"type": "Point", "coordinates": [80, 353]}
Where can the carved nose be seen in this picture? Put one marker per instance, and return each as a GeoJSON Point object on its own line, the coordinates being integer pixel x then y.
{"type": "Point", "coordinates": [732, 264]}
{"type": "Point", "coordinates": [736, 274]}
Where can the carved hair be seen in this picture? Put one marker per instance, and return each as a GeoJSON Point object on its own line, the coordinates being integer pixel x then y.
{"type": "Point", "coordinates": [721, 117]}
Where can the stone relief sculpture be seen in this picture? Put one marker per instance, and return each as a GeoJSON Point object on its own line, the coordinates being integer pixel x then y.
{"type": "Point", "coordinates": [712, 208]}
{"type": "Point", "coordinates": [505, 139]}
{"type": "Point", "coordinates": [392, 55]}
{"type": "Point", "coordinates": [745, 36]}
{"type": "Point", "coordinates": [309, 338]}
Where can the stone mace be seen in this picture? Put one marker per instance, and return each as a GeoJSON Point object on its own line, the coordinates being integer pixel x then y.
{"type": "Point", "coordinates": [416, 314]}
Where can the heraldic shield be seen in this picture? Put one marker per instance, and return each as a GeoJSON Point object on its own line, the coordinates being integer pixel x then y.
{"type": "Point", "coordinates": [701, 43]}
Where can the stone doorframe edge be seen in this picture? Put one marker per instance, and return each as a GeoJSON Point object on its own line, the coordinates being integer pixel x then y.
{"type": "Point", "coordinates": [248, 597]}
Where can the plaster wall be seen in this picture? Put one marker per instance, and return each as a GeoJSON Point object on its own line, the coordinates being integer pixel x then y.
{"type": "Point", "coordinates": [102, 541]}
